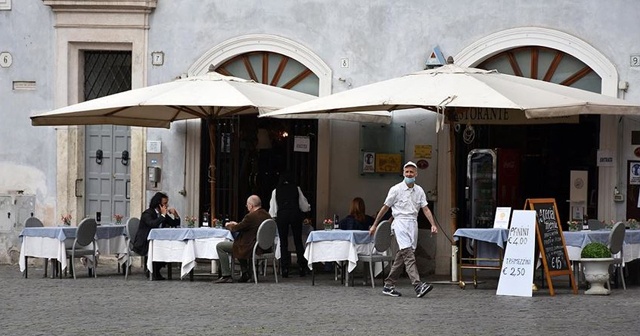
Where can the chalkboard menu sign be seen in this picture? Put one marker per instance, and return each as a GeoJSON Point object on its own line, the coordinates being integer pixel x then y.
{"type": "Point", "coordinates": [552, 243]}
{"type": "Point", "coordinates": [550, 240]}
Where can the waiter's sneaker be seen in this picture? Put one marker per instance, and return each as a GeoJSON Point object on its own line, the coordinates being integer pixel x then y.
{"type": "Point", "coordinates": [391, 291]}
{"type": "Point", "coordinates": [224, 279]}
{"type": "Point", "coordinates": [422, 289]}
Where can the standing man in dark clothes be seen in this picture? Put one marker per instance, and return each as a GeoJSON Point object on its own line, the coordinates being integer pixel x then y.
{"type": "Point", "coordinates": [156, 216]}
{"type": "Point", "coordinates": [287, 206]}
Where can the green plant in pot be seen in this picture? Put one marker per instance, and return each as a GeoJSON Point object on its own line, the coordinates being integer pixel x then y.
{"type": "Point", "coordinates": [595, 259]}
{"type": "Point", "coordinates": [595, 250]}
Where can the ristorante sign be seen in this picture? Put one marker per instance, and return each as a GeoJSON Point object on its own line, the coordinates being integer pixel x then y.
{"type": "Point", "coordinates": [496, 116]}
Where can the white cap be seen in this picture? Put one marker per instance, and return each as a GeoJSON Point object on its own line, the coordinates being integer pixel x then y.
{"type": "Point", "coordinates": [410, 164]}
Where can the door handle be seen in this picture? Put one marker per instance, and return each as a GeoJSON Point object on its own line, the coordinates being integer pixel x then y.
{"type": "Point", "coordinates": [77, 187]}
{"type": "Point", "coordinates": [126, 189]}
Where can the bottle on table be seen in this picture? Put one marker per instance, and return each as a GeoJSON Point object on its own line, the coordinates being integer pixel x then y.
{"type": "Point", "coordinates": [205, 219]}
{"type": "Point", "coordinates": [336, 219]}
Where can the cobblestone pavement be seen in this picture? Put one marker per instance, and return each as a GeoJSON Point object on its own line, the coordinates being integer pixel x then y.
{"type": "Point", "coordinates": [109, 305]}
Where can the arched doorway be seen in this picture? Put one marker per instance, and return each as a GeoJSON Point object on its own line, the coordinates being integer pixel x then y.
{"type": "Point", "coordinates": [534, 160]}
{"type": "Point", "coordinates": [254, 151]}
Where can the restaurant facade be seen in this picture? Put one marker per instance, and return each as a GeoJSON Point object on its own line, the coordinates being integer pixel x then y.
{"type": "Point", "coordinates": [82, 50]}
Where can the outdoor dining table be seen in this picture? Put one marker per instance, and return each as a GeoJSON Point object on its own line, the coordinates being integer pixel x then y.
{"type": "Point", "coordinates": [50, 242]}
{"type": "Point", "coordinates": [576, 240]}
{"type": "Point", "coordinates": [184, 245]}
{"type": "Point", "coordinates": [338, 246]}
{"type": "Point", "coordinates": [488, 250]}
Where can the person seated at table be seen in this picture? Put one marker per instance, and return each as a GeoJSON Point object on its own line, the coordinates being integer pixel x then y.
{"type": "Point", "coordinates": [158, 215]}
{"type": "Point", "coordinates": [242, 247]}
{"type": "Point", "coordinates": [357, 218]}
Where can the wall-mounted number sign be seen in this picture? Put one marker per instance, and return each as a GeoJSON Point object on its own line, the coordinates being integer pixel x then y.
{"type": "Point", "coordinates": [5, 59]}
{"type": "Point", "coordinates": [157, 58]}
{"type": "Point", "coordinates": [635, 60]}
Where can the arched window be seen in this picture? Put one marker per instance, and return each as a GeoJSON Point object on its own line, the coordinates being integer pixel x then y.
{"type": "Point", "coordinates": [273, 69]}
{"type": "Point", "coordinates": [546, 64]}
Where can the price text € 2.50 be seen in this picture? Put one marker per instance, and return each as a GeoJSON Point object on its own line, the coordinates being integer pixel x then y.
{"type": "Point", "coordinates": [513, 271]}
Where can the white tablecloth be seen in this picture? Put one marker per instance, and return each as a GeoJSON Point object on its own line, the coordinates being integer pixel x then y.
{"type": "Point", "coordinates": [576, 240]}
{"type": "Point", "coordinates": [51, 242]}
{"type": "Point", "coordinates": [184, 245]}
{"type": "Point", "coordinates": [489, 242]}
{"type": "Point", "coordinates": [338, 245]}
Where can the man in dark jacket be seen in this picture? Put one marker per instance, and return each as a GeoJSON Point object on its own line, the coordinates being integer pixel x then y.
{"type": "Point", "coordinates": [156, 216]}
{"type": "Point", "coordinates": [288, 206]}
{"type": "Point", "coordinates": [242, 247]}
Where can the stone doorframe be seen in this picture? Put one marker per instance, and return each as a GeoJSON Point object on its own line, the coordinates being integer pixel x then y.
{"type": "Point", "coordinates": [95, 25]}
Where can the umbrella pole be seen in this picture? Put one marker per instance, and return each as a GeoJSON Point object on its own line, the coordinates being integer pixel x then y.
{"type": "Point", "coordinates": [454, 209]}
{"type": "Point", "coordinates": [212, 164]}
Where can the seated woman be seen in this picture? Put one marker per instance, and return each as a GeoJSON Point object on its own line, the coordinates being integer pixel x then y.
{"type": "Point", "coordinates": [357, 219]}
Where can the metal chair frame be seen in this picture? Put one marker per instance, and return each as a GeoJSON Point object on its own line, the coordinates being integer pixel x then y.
{"type": "Point", "coordinates": [85, 236]}
{"type": "Point", "coordinates": [382, 243]}
{"type": "Point", "coordinates": [616, 242]}
{"type": "Point", "coordinates": [34, 222]}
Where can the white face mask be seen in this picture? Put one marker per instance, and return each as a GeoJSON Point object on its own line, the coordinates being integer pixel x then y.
{"type": "Point", "coordinates": [409, 180]}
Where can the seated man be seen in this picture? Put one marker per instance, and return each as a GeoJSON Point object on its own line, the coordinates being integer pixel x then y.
{"type": "Point", "coordinates": [156, 216]}
{"type": "Point", "coordinates": [242, 247]}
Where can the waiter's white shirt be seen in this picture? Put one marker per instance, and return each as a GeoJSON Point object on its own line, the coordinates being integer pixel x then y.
{"type": "Point", "coordinates": [303, 204]}
{"type": "Point", "coordinates": [405, 203]}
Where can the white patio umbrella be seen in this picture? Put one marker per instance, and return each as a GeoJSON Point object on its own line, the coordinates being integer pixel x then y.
{"type": "Point", "coordinates": [461, 87]}
{"type": "Point", "coordinates": [452, 86]}
{"type": "Point", "coordinates": [208, 97]}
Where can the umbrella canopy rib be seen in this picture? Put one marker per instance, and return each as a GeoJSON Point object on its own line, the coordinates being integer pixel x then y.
{"type": "Point", "coordinates": [116, 111]}
{"type": "Point", "coordinates": [189, 110]}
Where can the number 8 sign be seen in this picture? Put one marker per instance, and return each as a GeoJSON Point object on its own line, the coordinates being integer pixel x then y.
{"type": "Point", "coordinates": [5, 59]}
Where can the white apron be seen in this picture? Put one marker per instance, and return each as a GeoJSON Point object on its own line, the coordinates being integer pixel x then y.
{"type": "Point", "coordinates": [406, 232]}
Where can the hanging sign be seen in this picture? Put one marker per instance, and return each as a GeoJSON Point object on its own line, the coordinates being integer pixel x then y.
{"type": "Point", "coordinates": [605, 158]}
{"type": "Point", "coordinates": [301, 144]}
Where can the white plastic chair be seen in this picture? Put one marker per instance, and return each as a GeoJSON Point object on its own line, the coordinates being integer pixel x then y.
{"type": "Point", "coordinates": [265, 241]}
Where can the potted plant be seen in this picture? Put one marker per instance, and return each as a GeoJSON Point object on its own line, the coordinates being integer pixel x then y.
{"type": "Point", "coordinates": [595, 259]}
{"type": "Point", "coordinates": [574, 225]}
{"type": "Point", "coordinates": [191, 221]}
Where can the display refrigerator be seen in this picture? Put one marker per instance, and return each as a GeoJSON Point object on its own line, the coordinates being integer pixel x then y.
{"type": "Point", "coordinates": [481, 188]}
{"type": "Point", "coordinates": [493, 180]}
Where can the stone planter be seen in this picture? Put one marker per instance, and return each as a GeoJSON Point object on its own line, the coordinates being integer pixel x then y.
{"type": "Point", "coordinates": [596, 272]}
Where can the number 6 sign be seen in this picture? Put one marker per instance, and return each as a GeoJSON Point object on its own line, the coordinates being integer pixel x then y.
{"type": "Point", "coordinates": [5, 59]}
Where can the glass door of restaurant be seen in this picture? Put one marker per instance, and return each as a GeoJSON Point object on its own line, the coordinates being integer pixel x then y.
{"type": "Point", "coordinates": [251, 154]}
